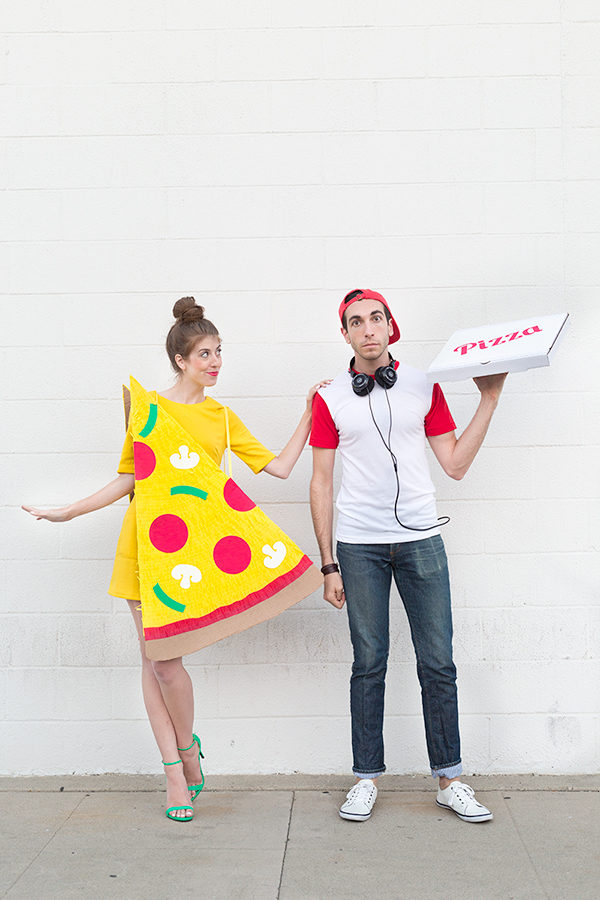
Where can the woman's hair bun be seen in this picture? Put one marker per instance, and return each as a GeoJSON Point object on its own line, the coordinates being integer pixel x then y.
{"type": "Point", "coordinates": [186, 310]}
{"type": "Point", "coordinates": [188, 327]}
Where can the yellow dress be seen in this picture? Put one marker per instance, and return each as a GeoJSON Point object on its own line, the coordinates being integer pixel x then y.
{"type": "Point", "coordinates": [206, 423]}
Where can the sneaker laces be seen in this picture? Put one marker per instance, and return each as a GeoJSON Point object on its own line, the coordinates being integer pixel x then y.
{"type": "Point", "coordinates": [464, 788]}
{"type": "Point", "coordinates": [362, 790]}
{"type": "Point", "coordinates": [464, 793]}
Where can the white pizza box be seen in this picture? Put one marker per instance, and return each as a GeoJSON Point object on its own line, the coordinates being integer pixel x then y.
{"type": "Point", "coordinates": [507, 347]}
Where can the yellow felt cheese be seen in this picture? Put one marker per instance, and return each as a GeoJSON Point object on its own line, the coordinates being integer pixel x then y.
{"type": "Point", "coordinates": [210, 561]}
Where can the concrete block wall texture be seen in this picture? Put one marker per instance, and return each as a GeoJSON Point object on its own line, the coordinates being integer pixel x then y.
{"type": "Point", "coordinates": [267, 157]}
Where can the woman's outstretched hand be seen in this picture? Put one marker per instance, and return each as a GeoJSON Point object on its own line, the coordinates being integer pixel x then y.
{"type": "Point", "coordinates": [122, 485]}
{"type": "Point", "coordinates": [51, 515]}
{"type": "Point", "coordinates": [283, 464]}
{"type": "Point", "coordinates": [314, 389]}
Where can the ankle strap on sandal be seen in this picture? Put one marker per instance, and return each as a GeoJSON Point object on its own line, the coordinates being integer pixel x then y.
{"type": "Point", "coordinates": [195, 740]}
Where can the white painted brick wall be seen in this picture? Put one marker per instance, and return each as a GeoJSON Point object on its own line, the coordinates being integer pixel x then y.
{"type": "Point", "coordinates": [267, 157]}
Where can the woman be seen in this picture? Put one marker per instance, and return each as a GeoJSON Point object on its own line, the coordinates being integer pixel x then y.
{"type": "Point", "coordinates": [194, 349]}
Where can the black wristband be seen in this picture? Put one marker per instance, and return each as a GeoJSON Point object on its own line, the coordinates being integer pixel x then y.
{"type": "Point", "coordinates": [329, 569]}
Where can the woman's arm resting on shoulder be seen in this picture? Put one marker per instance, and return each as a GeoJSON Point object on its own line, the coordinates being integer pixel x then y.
{"type": "Point", "coordinates": [121, 486]}
{"type": "Point", "coordinates": [321, 507]}
{"type": "Point", "coordinates": [283, 464]}
{"type": "Point", "coordinates": [455, 455]}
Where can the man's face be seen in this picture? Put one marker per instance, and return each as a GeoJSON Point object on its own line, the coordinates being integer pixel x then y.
{"type": "Point", "coordinates": [368, 331]}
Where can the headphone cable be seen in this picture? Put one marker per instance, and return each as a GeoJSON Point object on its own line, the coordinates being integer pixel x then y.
{"type": "Point", "coordinates": [388, 446]}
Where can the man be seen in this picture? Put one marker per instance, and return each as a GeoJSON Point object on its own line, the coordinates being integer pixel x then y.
{"type": "Point", "coordinates": [378, 413]}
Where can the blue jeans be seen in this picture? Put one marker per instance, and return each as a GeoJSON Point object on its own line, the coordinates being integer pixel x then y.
{"type": "Point", "coordinates": [420, 570]}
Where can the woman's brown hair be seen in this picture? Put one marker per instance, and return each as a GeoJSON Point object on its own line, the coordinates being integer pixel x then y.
{"type": "Point", "coordinates": [190, 326]}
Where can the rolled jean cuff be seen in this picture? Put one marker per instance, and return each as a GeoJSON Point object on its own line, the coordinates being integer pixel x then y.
{"type": "Point", "coordinates": [448, 771]}
{"type": "Point", "coordinates": [370, 775]}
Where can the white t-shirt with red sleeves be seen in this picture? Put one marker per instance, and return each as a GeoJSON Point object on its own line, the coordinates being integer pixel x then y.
{"type": "Point", "coordinates": [365, 502]}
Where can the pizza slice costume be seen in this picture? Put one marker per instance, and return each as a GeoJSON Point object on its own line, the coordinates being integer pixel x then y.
{"type": "Point", "coordinates": [203, 559]}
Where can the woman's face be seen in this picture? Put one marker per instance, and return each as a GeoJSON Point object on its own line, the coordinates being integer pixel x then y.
{"type": "Point", "coordinates": [203, 363]}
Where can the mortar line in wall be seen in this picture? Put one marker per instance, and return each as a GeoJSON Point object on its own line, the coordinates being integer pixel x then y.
{"type": "Point", "coordinates": [293, 237]}
{"type": "Point", "coordinates": [313, 236]}
{"type": "Point", "coordinates": [527, 130]}
{"type": "Point", "coordinates": [441, 499]}
{"type": "Point", "coordinates": [243, 29]}
{"type": "Point", "coordinates": [567, 607]}
{"type": "Point", "coordinates": [264, 503]}
{"type": "Point", "coordinates": [286, 290]}
{"type": "Point", "coordinates": [564, 197]}
{"type": "Point", "coordinates": [315, 79]}
{"type": "Point", "coordinates": [419, 235]}
{"type": "Point", "coordinates": [277, 186]}
{"type": "Point", "coordinates": [342, 717]}
{"type": "Point", "coordinates": [395, 665]}
{"type": "Point", "coordinates": [86, 452]}
{"type": "Point", "coordinates": [470, 286]}
{"type": "Point", "coordinates": [409, 664]}
{"type": "Point", "coordinates": [269, 134]}
{"type": "Point", "coordinates": [338, 26]}
{"type": "Point", "coordinates": [277, 236]}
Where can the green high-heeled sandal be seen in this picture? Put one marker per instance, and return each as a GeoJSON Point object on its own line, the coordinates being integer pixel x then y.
{"type": "Point", "coordinates": [195, 789]}
{"type": "Point", "coordinates": [173, 809]}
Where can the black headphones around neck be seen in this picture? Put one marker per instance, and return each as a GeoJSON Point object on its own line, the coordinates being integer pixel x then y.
{"type": "Point", "coordinates": [385, 376]}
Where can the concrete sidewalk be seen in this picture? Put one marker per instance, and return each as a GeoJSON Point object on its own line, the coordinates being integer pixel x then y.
{"type": "Point", "coordinates": [261, 838]}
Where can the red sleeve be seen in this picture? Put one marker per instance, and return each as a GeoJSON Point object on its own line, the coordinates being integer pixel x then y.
{"type": "Point", "coordinates": [323, 432]}
{"type": "Point", "coordinates": [438, 420]}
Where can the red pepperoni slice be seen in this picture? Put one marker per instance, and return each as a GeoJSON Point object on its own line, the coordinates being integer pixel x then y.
{"type": "Point", "coordinates": [168, 533]}
{"type": "Point", "coordinates": [232, 555]}
{"type": "Point", "coordinates": [144, 460]}
{"type": "Point", "coordinates": [236, 498]}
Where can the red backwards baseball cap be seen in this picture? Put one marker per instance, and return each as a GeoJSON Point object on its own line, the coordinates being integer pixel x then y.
{"type": "Point", "coordinates": [359, 294]}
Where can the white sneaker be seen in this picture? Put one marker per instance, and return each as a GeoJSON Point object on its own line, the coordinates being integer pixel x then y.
{"type": "Point", "coordinates": [360, 800]}
{"type": "Point", "coordinates": [460, 798]}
